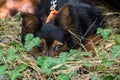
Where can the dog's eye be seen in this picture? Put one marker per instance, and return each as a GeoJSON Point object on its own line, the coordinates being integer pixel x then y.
{"type": "Point", "coordinates": [41, 47]}
{"type": "Point", "coordinates": [58, 48]}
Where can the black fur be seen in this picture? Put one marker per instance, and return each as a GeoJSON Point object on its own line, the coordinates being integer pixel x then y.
{"type": "Point", "coordinates": [82, 13]}
{"type": "Point", "coordinates": [50, 33]}
{"type": "Point", "coordinates": [83, 16]}
{"type": "Point", "coordinates": [43, 8]}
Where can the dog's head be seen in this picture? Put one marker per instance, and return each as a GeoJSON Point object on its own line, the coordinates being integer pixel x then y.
{"type": "Point", "coordinates": [53, 40]}
{"type": "Point", "coordinates": [54, 35]}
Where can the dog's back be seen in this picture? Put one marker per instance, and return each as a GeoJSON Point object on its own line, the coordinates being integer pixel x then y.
{"type": "Point", "coordinates": [79, 17]}
{"type": "Point", "coordinates": [43, 8]}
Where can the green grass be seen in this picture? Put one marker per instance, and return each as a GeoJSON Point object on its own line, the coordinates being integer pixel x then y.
{"type": "Point", "coordinates": [18, 62]}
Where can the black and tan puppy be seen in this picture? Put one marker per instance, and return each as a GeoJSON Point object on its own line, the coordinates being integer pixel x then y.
{"type": "Point", "coordinates": [76, 20]}
{"type": "Point", "coordinates": [53, 39]}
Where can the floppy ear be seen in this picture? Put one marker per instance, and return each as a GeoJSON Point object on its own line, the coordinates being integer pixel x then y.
{"type": "Point", "coordinates": [64, 18]}
{"type": "Point", "coordinates": [31, 21]}
{"type": "Point", "coordinates": [30, 24]}
{"type": "Point", "coordinates": [68, 19]}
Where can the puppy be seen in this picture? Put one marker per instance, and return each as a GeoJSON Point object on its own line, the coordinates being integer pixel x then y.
{"type": "Point", "coordinates": [76, 20]}
{"type": "Point", "coordinates": [52, 38]}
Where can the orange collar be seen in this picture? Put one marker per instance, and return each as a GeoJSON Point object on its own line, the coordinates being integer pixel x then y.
{"type": "Point", "coordinates": [52, 14]}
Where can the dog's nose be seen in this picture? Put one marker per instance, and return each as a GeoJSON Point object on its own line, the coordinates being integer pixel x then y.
{"type": "Point", "coordinates": [47, 53]}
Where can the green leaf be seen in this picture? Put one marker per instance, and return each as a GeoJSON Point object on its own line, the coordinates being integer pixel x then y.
{"type": "Point", "coordinates": [63, 67]}
{"type": "Point", "coordinates": [117, 39]}
{"type": "Point", "coordinates": [17, 16]}
{"type": "Point", "coordinates": [73, 51]}
{"type": "Point", "coordinates": [64, 76]}
{"type": "Point", "coordinates": [94, 77]}
{"type": "Point", "coordinates": [102, 54]}
{"type": "Point", "coordinates": [29, 37]}
{"type": "Point", "coordinates": [41, 60]}
{"type": "Point", "coordinates": [13, 75]}
{"type": "Point", "coordinates": [46, 63]}
{"type": "Point", "coordinates": [87, 54]}
{"type": "Point", "coordinates": [2, 69]}
{"type": "Point", "coordinates": [30, 41]}
{"type": "Point", "coordinates": [111, 77]}
{"type": "Point", "coordinates": [63, 55]}
{"type": "Point", "coordinates": [104, 32]}
{"type": "Point", "coordinates": [115, 51]}
{"type": "Point", "coordinates": [73, 74]}
{"type": "Point", "coordinates": [1, 53]}
{"type": "Point", "coordinates": [11, 56]}
{"type": "Point", "coordinates": [76, 55]}
{"type": "Point", "coordinates": [107, 62]}
{"type": "Point", "coordinates": [4, 21]}
{"type": "Point", "coordinates": [20, 47]}
{"type": "Point", "coordinates": [87, 64]}
{"type": "Point", "coordinates": [21, 67]}
{"type": "Point", "coordinates": [16, 73]}
{"type": "Point", "coordinates": [101, 67]}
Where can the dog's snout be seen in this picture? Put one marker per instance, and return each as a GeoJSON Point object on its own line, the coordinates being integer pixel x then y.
{"type": "Point", "coordinates": [47, 53]}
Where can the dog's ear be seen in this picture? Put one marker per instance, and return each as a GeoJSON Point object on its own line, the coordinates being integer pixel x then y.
{"type": "Point", "coordinates": [30, 24]}
{"type": "Point", "coordinates": [31, 21]}
{"type": "Point", "coordinates": [63, 18]}
{"type": "Point", "coordinates": [66, 18]}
